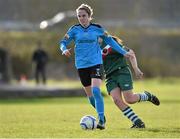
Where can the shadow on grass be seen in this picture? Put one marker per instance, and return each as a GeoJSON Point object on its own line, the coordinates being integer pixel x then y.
{"type": "Point", "coordinates": [165, 130]}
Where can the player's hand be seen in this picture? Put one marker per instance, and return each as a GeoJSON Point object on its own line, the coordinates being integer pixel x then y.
{"type": "Point", "coordinates": [67, 52]}
{"type": "Point", "coordinates": [138, 73]}
{"type": "Point", "coordinates": [129, 54]}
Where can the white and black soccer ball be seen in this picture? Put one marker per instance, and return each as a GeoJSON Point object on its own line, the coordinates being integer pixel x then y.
{"type": "Point", "coordinates": [88, 122]}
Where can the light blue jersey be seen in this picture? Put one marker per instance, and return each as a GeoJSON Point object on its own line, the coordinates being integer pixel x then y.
{"type": "Point", "coordinates": [87, 47]}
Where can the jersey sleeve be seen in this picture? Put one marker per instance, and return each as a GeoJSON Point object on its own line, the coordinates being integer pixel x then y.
{"type": "Point", "coordinates": [68, 37]}
{"type": "Point", "coordinates": [109, 40]}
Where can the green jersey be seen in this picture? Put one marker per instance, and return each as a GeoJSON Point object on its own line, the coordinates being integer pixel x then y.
{"type": "Point", "coordinates": [112, 60]}
{"type": "Point", "coordinates": [116, 70]}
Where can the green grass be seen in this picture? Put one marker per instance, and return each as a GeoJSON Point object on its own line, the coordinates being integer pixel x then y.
{"type": "Point", "coordinates": [59, 117]}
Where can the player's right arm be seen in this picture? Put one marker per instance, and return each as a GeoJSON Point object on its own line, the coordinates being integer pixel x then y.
{"type": "Point", "coordinates": [68, 37]}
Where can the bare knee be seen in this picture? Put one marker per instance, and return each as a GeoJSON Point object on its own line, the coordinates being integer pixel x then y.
{"type": "Point", "coordinates": [130, 98]}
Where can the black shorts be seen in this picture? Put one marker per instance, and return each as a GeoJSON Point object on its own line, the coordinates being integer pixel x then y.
{"type": "Point", "coordinates": [86, 74]}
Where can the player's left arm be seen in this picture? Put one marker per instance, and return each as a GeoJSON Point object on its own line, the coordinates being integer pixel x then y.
{"type": "Point", "coordinates": [133, 61]}
{"type": "Point", "coordinates": [109, 40]}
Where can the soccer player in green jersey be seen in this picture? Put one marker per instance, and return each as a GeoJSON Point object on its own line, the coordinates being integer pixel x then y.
{"type": "Point", "coordinates": [119, 82]}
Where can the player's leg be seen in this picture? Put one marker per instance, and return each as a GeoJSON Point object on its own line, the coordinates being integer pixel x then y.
{"type": "Point", "coordinates": [91, 81]}
{"type": "Point", "coordinates": [96, 80]}
{"type": "Point", "coordinates": [88, 90]}
{"type": "Point", "coordinates": [132, 98]}
{"type": "Point", "coordinates": [99, 102]}
{"type": "Point", "coordinates": [85, 79]}
{"type": "Point", "coordinates": [115, 92]}
{"type": "Point", "coordinates": [117, 98]}
{"type": "Point", "coordinates": [126, 83]}
{"type": "Point", "coordinates": [92, 102]}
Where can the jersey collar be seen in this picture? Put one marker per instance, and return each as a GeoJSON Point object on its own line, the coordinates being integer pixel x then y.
{"type": "Point", "coordinates": [87, 26]}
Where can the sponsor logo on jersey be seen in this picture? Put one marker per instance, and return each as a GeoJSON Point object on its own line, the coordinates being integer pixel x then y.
{"type": "Point", "coordinates": [86, 41]}
{"type": "Point", "coordinates": [126, 85]}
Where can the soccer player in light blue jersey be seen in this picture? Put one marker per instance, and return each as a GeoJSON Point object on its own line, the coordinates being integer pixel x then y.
{"type": "Point", "coordinates": [88, 57]}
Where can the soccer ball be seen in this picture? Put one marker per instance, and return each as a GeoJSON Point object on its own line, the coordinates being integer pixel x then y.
{"type": "Point", "coordinates": [88, 122]}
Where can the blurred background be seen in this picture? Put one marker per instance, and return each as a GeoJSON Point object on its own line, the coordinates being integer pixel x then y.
{"type": "Point", "coordinates": [151, 28]}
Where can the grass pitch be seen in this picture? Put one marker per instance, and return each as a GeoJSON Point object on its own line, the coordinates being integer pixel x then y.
{"type": "Point", "coordinates": [59, 117]}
